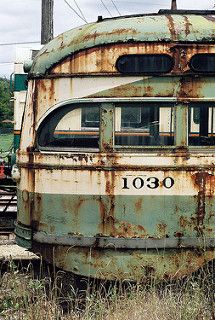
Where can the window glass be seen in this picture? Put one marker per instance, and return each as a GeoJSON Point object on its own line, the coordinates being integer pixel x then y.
{"type": "Point", "coordinates": [90, 117]}
{"type": "Point", "coordinates": [136, 124]}
{"type": "Point", "coordinates": [203, 62]}
{"type": "Point", "coordinates": [201, 125]}
{"type": "Point", "coordinates": [144, 125]}
{"type": "Point", "coordinates": [71, 127]}
{"type": "Point", "coordinates": [145, 63]}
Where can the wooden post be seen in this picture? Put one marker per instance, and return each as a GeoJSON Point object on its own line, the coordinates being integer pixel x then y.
{"type": "Point", "coordinates": [174, 5]}
{"type": "Point", "coordinates": [47, 21]}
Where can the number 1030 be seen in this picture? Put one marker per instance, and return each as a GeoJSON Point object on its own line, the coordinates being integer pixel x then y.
{"type": "Point", "coordinates": [151, 183]}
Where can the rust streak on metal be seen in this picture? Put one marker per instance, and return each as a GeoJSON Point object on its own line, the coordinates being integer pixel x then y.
{"type": "Point", "coordinates": [110, 187]}
{"type": "Point", "coordinates": [188, 25]}
{"type": "Point", "coordinates": [127, 230]}
{"type": "Point", "coordinates": [103, 210]}
{"type": "Point", "coordinates": [201, 182]}
{"type": "Point", "coordinates": [102, 59]}
{"type": "Point", "coordinates": [162, 230]}
{"type": "Point", "coordinates": [172, 27]}
{"type": "Point", "coordinates": [138, 205]}
{"type": "Point", "coordinates": [95, 35]}
{"type": "Point", "coordinates": [178, 234]}
{"type": "Point", "coordinates": [210, 18]}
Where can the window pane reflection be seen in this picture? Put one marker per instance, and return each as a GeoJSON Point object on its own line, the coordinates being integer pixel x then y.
{"type": "Point", "coordinates": [144, 125]}
{"type": "Point", "coordinates": [201, 125]}
{"type": "Point", "coordinates": [71, 127]}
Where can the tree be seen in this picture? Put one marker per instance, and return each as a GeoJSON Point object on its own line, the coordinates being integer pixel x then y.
{"type": "Point", "coordinates": [6, 109]}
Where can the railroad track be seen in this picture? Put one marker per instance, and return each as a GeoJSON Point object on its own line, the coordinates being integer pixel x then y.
{"type": "Point", "coordinates": [8, 213]}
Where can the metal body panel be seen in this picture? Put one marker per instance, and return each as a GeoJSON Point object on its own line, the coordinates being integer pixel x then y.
{"type": "Point", "coordinates": [91, 203]}
{"type": "Point", "coordinates": [51, 93]}
{"type": "Point", "coordinates": [154, 28]}
{"type": "Point", "coordinates": [134, 265]}
{"type": "Point", "coordinates": [132, 216]}
{"type": "Point", "coordinates": [152, 202]}
{"type": "Point", "coordinates": [102, 59]}
{"type": "Point", "coordinates": [20, 82]}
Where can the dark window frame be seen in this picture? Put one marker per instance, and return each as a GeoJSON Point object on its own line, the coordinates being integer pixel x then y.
{"type": "Point", "coordinates": [153, 126]}
{"type": "Point", "coordinates": [201, 64]}
{"type": "Point", "coordinates": [53, 119]}
{"type": "Point", "coordinates": [47, 127]}
{"type": "Point", "coordinates": [155, 71]}
{"type": "Point", "coordinates": [204, 138]}
{"type": "Point", "coordinates": [87, 123]}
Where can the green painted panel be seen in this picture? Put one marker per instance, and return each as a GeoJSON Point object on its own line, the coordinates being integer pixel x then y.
{"type": "Point", "coordinates": [133, 265]}
{"type": "Point", "coordinates": [16, 141]}
{"type": "Point", "coordinates": [137, 265]}
{"type": "Point", "coordinates": [181, 125]}
{"type": "Point", "coordinates": [148, 28]}
{"type": "Point", "coordinates": [20, 82]}
{"type": "Point", "coordinates": [126, 216]}
{"type": "Point", "coordinates": [169, 217]}
{"type": "Point", "coordinates": [106, 128]}
{"type": "Point", "coordinates": [168, 87]}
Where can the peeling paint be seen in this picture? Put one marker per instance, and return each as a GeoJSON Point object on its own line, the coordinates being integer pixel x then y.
{"type": "Point", "coordinates": [119, 212]}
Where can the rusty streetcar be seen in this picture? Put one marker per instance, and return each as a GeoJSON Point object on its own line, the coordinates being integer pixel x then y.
{"type": "Point", "coordinates": [116, 159]}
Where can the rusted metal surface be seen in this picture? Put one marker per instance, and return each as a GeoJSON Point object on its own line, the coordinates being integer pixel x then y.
{"type": "Point", "coordinates": [205, 184]}
{"type": "Point", "coordinates": [115, 218]}
{"type": "Point", "coordinates": [123, 243]}
{"type": "Point", "coordinates": [147, 89]}
{"type": "Point", "coordinates": [107, 128]}
{"type": "Point", "coordinates": [90, 61]}
{"type": "Point", "coordinates": [119, 212]}
{"type": "Point", "coordinates": [112, 213]}
{"type": "Point", "coordinates": [111, 264]}
{"type": "Point", "coordinates": [154, 28]}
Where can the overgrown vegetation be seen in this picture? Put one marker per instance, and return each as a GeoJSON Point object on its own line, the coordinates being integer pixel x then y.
{"type": "Point", "coordinates": [23, 297]}
{"type": "Point", "coordinates": [6, 109]}
{"type": "Point", "coordinates": [6, 141]}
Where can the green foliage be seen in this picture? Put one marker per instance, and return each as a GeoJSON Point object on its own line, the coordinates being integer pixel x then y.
{"type": "Point", "coordinates": [6, 141]}
{"type": "Point", "coordinates": [6, 109]}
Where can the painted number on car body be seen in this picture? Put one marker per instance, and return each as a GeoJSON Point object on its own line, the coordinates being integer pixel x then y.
{"type": "Point", "coordinates": [151, 183]}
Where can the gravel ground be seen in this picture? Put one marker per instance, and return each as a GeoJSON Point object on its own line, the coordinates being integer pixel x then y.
{"type": "Point", "coordinates": [13, 251]}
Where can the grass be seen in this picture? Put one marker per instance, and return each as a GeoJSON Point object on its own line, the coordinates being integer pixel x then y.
{"type": "Point", "coordinates": [23, 297]}
{"type": "Point", "coordinates": [6, 141]}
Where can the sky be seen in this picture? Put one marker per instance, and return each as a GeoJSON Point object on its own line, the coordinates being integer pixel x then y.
{"type": "Point", "coordinates": [20, 20]}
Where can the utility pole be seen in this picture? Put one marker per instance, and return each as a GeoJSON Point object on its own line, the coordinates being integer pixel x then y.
{"type": "Point", "coordinates": [174, 5]}
{"type": "Point", "coordinates": [47, 21]}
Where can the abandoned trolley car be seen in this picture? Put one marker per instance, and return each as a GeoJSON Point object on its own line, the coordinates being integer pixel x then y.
{"type": "Point", "coordinates": [116, 157]}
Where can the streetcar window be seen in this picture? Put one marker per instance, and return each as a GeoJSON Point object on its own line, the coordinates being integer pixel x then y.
{"type": "Point", "coordinates": [144, 125]}
{"type": "Point", "coordinates": [203, 62]}
{"type": "Point", "coordinates": [201, 129]}
{"type": "Point", "coordinates": [90, 117]}
{"type": "Point", "coordinates": [70, 127]}
{"type": "Point", "coordinates": [145, 63]}
{"type": "Point", "coordinates": [195, 115]}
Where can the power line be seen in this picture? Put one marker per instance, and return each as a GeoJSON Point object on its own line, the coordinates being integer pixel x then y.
{"type": "Point", "coordinates": [75, 11]}
{"type": "Point", "coordinates": [16, 43]}
{"type": "Point", "coordinates": [116, 7]}
{"type": "Point", "coordinates": [81, 12]}
{"type": "Point", "coordinates": [106, 8]}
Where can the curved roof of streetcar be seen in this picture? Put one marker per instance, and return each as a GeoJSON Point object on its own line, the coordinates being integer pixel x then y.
{"type": "Point", "coordinates": [165, 26]}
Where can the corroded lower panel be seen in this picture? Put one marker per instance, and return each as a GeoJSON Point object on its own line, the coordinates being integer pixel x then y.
{"type": "Point", "coordinates": [151, 199]}
{"type": "Point", "coordinates": [137, 265]}
{"type": "Point", "coordinates": [123, 216]}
